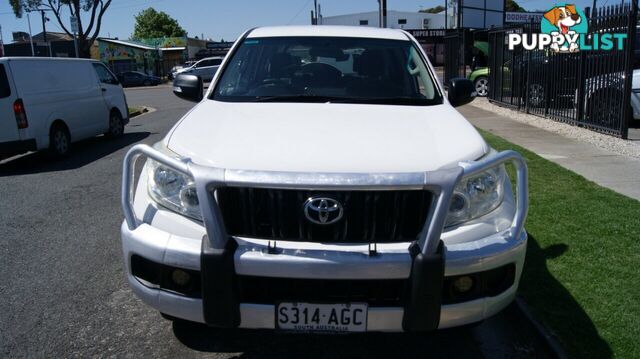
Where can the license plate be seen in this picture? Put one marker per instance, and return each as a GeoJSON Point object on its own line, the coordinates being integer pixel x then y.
{"type": "Point", "coordinates": [309, 317]}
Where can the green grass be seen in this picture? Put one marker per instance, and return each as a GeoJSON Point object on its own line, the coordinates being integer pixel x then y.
{"type": "Point", "coordinates": [134, 110]}
{"type": "Point", "coordinates": [582, 273]}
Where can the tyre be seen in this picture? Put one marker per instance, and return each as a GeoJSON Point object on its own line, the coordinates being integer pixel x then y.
{"type": "Point", "coordinates": [59, 141]}
{"type": "Point", "coordinates": [481, 85]}
{"type": "Point", "coordinates": [116, 125]}
{"type": "Point", "coordinates": [146, 83]}
{"type": "Point", "coordinates": [603, 108]}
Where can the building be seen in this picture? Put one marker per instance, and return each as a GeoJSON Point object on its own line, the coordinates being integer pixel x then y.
{"type": "Point", "coordinates": [152, 56]}
{"type": "Point", "coordinates": [427, 28]}
{"type": "Point", "coordinates": [395, 20]}
{"type": "Point", "coordinates": [194, 45]}
{"type": "Point", "coordinates": [214, 48]}
{"type": "Point", "coordinates": [57, 44]}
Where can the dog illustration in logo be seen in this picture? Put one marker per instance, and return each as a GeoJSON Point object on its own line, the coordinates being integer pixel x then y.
{"type": "Point", "coordinates": [564, 18]}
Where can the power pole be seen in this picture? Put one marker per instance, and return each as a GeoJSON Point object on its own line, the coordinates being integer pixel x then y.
{"type": "Point", "coordinates": [446, 13]}
{"type": "Point", "coordinates": [315, 11]}
{"type": "Point", "coordinates": [1, 43]}
{"type": "Point", "coordinates": [44, 25]}
{"type": "Point", "coordinates": [383, 13]}
{"type": "Point", "coordinates": [33, 51]}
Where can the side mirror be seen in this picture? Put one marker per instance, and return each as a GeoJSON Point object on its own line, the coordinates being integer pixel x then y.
{"type": "Point", "coordinates": [188, 87]}
{"type": "Point", "coordinates": [461, 91]}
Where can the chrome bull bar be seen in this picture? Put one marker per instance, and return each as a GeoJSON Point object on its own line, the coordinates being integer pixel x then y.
{"type": "Point", "coordinates": [441, 183]}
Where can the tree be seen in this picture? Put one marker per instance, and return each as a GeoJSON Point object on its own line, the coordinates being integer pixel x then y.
{"type": "Point", "coordinates": [151, 24]}
{"type": "Point", "coordinates": [86, 35]}
{"type": "Point", "coordinates": [512, 5]}
{"type": "Point", "coordinates": [433, 10]}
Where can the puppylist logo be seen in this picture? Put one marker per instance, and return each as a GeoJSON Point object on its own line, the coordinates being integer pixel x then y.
{"type": "Point", "coordinates": [564, 28]}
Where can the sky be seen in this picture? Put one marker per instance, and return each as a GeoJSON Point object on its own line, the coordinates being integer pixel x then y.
{"type": "Point", "coordinates": [224, 19]}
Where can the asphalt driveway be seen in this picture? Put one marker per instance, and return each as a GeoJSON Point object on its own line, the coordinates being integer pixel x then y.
{"type": "Point", "coordinates": [64, 292]}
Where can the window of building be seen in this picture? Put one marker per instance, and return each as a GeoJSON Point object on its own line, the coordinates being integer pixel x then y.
{"type": "Point", "coordinates": [402, 21]}
{"type": "Point", "coordinates": [364, 22]}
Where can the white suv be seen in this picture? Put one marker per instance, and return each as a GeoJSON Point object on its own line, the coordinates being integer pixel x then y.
{"type": "Point", "coordinates": [325, 183]}
{"type": "Point", "coordinates": [205, 68]}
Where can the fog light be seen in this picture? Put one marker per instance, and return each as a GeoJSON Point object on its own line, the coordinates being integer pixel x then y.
{"type": "Point", "coordinates": [458, 203]}
{"type": "Point", "coordinates": [463, 284]}
{"type": "Point", "coordinates": [180, 277]}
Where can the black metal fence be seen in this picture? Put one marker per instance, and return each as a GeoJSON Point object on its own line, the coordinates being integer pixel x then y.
{"type": "Point", "coordinates": [591, 88]}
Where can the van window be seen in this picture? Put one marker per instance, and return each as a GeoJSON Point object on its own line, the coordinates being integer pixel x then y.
{"type": "Point", "coordinates": [105, 75]}
{"type": "Point", "coordinates": [5, 90]}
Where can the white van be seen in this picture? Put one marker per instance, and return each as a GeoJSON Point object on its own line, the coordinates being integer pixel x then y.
{"type": "Point", "coordinates": [47, 103]}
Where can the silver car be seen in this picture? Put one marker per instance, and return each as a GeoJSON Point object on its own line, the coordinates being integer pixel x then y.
{"type": "Point", "coordinates": [204, 68]}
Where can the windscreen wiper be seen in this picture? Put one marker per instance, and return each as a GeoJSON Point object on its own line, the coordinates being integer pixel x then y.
{"type": "Point", "coordinates": [296, 98]}
{"type": "Point", "coordinates": [356, 100]}
{"type": "Point", "coordinates": [401, 100]}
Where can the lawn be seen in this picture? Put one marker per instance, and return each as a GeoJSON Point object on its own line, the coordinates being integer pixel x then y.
{"type": "Point", "coordinates": [581, 276]}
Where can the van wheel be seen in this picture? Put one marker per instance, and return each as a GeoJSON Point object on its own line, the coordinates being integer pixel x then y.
{"type": "Point", "coordinates": [116, 126]}
{"type": "Point", "coordinates": [59, 141]}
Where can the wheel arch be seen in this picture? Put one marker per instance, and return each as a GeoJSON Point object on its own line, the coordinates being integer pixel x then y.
{"type": "Point", "coordinates": [117, 110]}
{"type": "Point", "coordinates": [59, 122]}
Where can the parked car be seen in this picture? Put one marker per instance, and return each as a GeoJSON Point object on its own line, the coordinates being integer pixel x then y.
{"type": "Point", "coordinates": [204, 68]}
{"type": "Point", "coordinates": [300, 196]}
{"type": "Point", "coordinates": [48, 103]}
{"type": "Point", "coordinates": [176, 68]}
{"type": "Point", "coordinates": [136, 78]}
{"type": "Point", "coordinates": [480, 79]}
{"type": "Point", "coordinates": [635, 94]}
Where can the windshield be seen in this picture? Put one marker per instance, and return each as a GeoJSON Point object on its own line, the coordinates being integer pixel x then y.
{"type": "Point", "coordinates": [327, 69]}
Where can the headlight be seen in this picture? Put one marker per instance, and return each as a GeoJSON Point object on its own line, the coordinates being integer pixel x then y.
{"type": "Point", "coordinates": [476, 196]}
{"type": "Point", "coordinates": [173, 190]}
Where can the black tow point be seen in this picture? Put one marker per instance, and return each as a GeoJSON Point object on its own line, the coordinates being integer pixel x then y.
{"type": "Point", "coordinates": [220, 304]}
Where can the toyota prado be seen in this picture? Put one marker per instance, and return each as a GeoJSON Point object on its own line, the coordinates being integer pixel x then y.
{"type": "Point", "coordinates": [324, 182]}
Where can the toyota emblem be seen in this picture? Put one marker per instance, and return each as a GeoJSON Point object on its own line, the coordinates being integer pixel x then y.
{"type": "Point", "coordinates": [323, 210]}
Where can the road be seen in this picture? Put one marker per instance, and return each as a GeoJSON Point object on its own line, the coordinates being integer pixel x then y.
{"type": "Point", "coordinates": [64, 292]}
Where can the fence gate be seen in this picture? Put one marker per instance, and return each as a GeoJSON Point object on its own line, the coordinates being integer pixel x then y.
{"type": "Point", "coordinates": [454, 64]}
{"type": "Point", "coordinates": [591, 89]}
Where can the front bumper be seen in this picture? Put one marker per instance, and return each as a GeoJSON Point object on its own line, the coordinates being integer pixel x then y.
{"type": "Point", "coordinates": [176, 251]}
{"type": "Point", "coordinates": [219, 262]}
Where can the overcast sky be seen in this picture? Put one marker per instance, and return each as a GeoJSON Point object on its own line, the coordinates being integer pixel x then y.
{"type": "Point", "coordinates": [226, 19]}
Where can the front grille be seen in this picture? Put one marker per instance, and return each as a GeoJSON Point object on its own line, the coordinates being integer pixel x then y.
{"type": "Point", "coordinates": [369, 216]}
{"type": "Point", "coordinates": [377, 293]}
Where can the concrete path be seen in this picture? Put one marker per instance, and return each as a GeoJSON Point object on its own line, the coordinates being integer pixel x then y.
{"type": "Point", "coordinates": [617, 172]}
